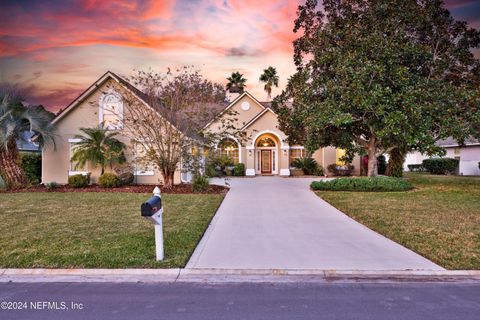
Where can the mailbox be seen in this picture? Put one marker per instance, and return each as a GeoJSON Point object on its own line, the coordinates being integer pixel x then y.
{"type": "Point", "coordinates": [151, 206]}
{"type": "Point", "coordinates": [152, 210]}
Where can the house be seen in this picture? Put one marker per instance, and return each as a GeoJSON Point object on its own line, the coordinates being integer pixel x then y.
{"type": "Point", "coordinates": [25, 143]}
{"type": "Point", "coordinates": [264, 151]}
{"type": "Point", "coordinates": [467, 154]}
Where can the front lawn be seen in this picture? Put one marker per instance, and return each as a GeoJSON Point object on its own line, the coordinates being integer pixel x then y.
{"type": "Point", "coordinates": [98, 230]}
{"type": "Point", "coordinates": [440, 219]}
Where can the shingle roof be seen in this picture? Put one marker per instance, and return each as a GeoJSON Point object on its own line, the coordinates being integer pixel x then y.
{"type": "Point", "coordinates": [451, 142]}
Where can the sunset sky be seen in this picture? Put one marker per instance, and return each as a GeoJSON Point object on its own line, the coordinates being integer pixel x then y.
{"type": "Point", "coordinates": [54, 50]}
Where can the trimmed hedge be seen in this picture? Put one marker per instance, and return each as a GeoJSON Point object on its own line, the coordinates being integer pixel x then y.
{"type": "Point", "coordinates": [440, 165]}
{"type": "Point", "coordinates": [79, 180]}
{"type": "Point", "coordinates": [416, 167]}
{"type": "Point", "coordinates": [373, 184]}
{"type": "Point", "coordinates": [109, 180]}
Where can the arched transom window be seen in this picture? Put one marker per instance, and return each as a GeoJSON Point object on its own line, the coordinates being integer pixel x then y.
{"type": "Point", "coordinates": [229, 147]}
{"type": "Point", "coordinates": [266, 142]}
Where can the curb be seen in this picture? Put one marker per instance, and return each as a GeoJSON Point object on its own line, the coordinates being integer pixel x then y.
{"type": "Point", "coordinates": [235, 275]}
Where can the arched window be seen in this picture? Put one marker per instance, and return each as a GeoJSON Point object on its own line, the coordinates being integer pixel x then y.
{"type": "Point", "coordinates": [229, 148]}
{"type": "Point", "coordinates": [266, 142]}
{"type": "Point", "coordinates": [111, 110]}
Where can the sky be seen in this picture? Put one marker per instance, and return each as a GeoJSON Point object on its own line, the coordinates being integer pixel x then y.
{"type": "Point", "coordinates": [54, 49]}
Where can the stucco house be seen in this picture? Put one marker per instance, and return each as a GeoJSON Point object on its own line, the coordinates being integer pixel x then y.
{"type": "Point", "coordinates": [264, 151]}
{"type": "Point", "coordinates": [467, 154]}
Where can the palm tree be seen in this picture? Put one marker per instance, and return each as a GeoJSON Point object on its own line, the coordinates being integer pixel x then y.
{"type": "Point", "coordinates": [15, 119]}
{"type": "Point", "coordinates": [270, 78]}
{"type": "Point", "coordinates": [236, 82]}
{"type": "Point", "coordinates": [99, 147]}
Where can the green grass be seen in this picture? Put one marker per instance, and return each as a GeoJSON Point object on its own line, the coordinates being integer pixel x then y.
{"type": "Point", "coordinates": [440, 219]}
{"type": "Point", "coordinates": [98, 230]}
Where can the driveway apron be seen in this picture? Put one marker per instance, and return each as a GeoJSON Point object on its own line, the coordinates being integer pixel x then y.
{"type": "Point", "coordinates": [278, 223]}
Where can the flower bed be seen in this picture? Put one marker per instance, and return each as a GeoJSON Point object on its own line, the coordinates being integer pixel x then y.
{"type": "Point", "coordinates": [140, 188]}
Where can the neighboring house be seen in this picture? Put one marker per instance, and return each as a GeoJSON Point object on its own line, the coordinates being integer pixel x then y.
{"type": "Point", "coordinates": [264, 149]}
{"type": "Point", "coordinates": [26, 144]}
{"type": "Point", "coordinates": [264, 152]}
{"type": "Point", "coordinates": [468, 156]}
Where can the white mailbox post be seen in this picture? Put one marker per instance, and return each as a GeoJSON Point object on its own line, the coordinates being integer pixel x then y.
{"type": "Point", "coordinates": [152, 209]}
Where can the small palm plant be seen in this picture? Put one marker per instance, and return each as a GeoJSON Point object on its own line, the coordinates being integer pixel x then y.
{"type": "Point", "coordinates": [98, 146]}
{"type": "Point", "coordinates": [236, 82]}
{"type": "Point", "coordinates": [15, 119]}
{"type": "Point", "coordinates": [270, 78]}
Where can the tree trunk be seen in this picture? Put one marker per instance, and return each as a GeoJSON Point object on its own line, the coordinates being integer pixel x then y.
{"type": "Point", "coordinates": [10, 170]}
{"type": "Point", "coordinates": [395, 162]}
{"type": "Point", "coordinates": [168, 179]}
{"type": "Point", "coordinates": [372, 158]}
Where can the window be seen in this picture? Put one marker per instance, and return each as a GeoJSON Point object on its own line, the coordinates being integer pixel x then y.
{"type": "Point", "coordinates": [229, 148]}
{"type": "Point", "coordinates": [266, 142]}
{"type": "Point", "coordinates": [74, 169]}
{"type": "Point", "coordinates": [295, 154]}
{"type": "Point", "coordinates": [111, 110]}
{"type": "Point", "coordinates": [141, 166]}
{"type": "Point", "coordinates": [340, 153]}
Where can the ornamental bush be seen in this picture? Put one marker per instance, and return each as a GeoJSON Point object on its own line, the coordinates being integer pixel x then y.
{"type": "Point", "coordinates": [200, 183]}
{"type": "Point", "coordinates": [366, 184]}
{"type": "Point", "coordinates": [440, 165]}
{"type": "Point", "coordinates": [239, 170]}
{"type": "Point", "coordinates": [32, 165]}
{"type": "Point", "coordinates": [307, 164]}
{"type": "Point", "coordinates": [340, 170]}
{"type": "Point", "coordinates": [79, 180]}
{"type": "Point", "coordinates": [109, 180]}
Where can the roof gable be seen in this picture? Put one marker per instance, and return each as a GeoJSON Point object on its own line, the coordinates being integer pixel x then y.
{"type": "Point", "coordinates": [258, 116]}
{"type": "Point", "coordinates": [233, 103]}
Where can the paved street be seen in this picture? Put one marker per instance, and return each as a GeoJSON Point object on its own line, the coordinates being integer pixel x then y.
{"type": "Point", "coordinates": [274, 222]}
{"type": "Point", "coordinates": [246, 301]}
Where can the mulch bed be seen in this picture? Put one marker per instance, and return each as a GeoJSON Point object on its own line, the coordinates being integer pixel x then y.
{"type": "Point", "coordinates": [140, 188]}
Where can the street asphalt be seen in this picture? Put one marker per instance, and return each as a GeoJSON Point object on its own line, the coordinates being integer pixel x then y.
{"type": "Point", "coordinates": [371, 301]}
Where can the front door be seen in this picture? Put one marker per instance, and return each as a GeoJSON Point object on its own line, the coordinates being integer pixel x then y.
{"type": "Point", "coordinates": [266, 161]}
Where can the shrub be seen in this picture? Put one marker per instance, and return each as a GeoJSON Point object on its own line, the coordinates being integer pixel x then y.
{"type": "Point", "coordinates": [239, 170]}
{"type": "Point", "coordinates": [415, 167]}
{"type": "Point", "coordinates": [32, 165]}
{"type": "Point", "coordinates": [340, 170]}
{"type": "Point", "coordinates": [109, 180]}
{"type": "Point", "coordinates": [79, 180]}
{"type": "Point", "coordinates": [369, 184]}
{"type": "Point", "coordinates": [381, 164]}
{"type": "Point", "coordinates": [125, 173]}
{"type": "Point", "coordinates": [307, 164]}
{"type": "Point", "coordinates": [200, 183]}
{"type": "Point", "coordinates": [126, 178]}
{"type": "Point", "coordinates": [440, 165]}
{"type": "Point", "coordinates": [51, 185]}
{"type": "Point", "coordinates": [210, 170]}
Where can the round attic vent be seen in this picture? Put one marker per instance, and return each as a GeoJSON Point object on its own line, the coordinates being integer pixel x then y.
{"type": "Point", "coordinates": [245, 105]}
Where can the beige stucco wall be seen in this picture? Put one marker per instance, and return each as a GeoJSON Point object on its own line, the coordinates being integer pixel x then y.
{"type": "Point", "coordinates": [56, 162]}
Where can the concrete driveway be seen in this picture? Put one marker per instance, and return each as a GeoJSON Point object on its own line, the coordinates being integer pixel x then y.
{"type": "Point", "coordinates": [274, 222]}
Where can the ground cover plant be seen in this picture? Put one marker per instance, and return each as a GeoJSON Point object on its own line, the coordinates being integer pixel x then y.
{"type": "Point", "coordinates": [363, 184]}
